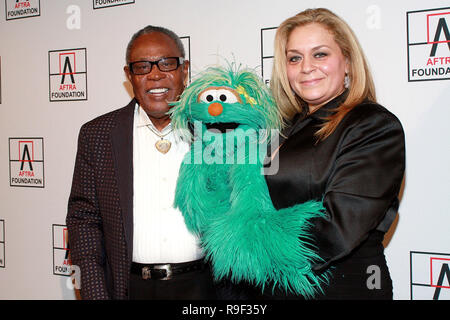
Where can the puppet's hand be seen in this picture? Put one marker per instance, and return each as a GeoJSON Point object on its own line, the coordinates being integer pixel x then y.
{"type": "Point", "coordinates": [265, 247]}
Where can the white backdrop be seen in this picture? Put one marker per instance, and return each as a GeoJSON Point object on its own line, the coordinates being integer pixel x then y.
{"type": "Point", "coordinates": [395, 35]}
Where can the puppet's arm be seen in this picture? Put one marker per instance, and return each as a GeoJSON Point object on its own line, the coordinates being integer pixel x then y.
{"type": "Point", "coordinates": [202, 192]}
{"type": "Point", "coordinates": [254, 242]}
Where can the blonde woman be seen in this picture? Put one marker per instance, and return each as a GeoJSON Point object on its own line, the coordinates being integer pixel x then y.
{"type": "Point", "coordinates": [340, 146]}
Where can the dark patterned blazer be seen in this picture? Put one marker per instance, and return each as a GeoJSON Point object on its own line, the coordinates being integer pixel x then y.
{"type": "Point", "coordinates": [100, 207]}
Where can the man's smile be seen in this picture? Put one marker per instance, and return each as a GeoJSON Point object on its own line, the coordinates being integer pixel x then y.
{"type": "Point", "coordinates": [158, 90]}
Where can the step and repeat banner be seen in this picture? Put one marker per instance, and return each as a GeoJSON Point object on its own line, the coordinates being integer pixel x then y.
{"type": "Point", "coordinates": [61, 64]}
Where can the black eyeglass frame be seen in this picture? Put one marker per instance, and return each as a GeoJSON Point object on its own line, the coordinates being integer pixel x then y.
{"type": "Point", "coordinates": [180, 61]}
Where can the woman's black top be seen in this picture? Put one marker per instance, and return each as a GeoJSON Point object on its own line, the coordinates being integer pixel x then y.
{"type": "Point", "coordinates": [357, 172]}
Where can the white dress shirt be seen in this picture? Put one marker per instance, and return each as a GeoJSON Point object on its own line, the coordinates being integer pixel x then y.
{"type": "Point", "coordinates": [160, 234]}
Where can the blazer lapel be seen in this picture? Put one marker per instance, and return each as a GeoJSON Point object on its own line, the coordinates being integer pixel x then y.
{"type": "Point", "coordinates": [122, 143]}
{"type": "Point", "coordinates": [273, 150]}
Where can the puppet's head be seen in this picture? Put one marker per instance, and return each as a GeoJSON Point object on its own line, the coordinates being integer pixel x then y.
{"type": "Point", "coordinates": [225, 98]}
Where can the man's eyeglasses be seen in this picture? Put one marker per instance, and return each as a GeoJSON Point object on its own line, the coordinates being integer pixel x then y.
{"type": "Point", "coordinates": [164, 64]}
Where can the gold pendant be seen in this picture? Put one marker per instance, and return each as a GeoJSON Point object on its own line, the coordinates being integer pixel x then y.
{"type": "Point", "coordinates": [163, 145]}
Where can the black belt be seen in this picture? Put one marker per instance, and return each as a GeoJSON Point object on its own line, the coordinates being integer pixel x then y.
{"type": "Point", "coordinates": [165, 271]}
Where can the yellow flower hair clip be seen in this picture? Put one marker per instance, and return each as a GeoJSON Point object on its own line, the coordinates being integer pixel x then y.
{"type": "Point", "coordinates": [249, 99]}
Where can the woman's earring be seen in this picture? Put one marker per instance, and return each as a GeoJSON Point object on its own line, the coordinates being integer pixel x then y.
{"type": "Point", "coordinates": [346, 81]}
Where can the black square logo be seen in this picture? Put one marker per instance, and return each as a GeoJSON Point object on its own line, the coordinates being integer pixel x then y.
{"type": "Point", "coordinates": [428, 44]}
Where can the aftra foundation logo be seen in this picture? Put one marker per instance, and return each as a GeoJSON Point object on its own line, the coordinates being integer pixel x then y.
{"type": "Point", "coordinates": [2, 243]}
{"type": "Point", "coordinates": [61, 261]}
{"type": "Point", "coordinates": [428, 44]}
{"type": "Point", "coordinates": [98, 4]}
{"type": "Point", "coordinates": [16, 9]}
{"type": "Point", "coordinates": [26, 162]}
{"type": "Point", "coordinates": [62, 266]}
{"type": "Point", "coordinates": [267, 40]}
{"type": "Point", "coordinates": [186, 40]}
{"type": "Point", "coordinates": [68, 74]}
{"type": "Point", "coordinates": [430, 276]}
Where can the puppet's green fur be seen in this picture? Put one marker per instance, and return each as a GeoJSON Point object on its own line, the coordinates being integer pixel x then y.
{"type": "Point", "coordinates": [227, 203]}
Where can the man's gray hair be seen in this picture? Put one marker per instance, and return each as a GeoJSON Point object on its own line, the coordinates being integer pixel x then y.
{"type": "Point", "coordinates": [150, 29]}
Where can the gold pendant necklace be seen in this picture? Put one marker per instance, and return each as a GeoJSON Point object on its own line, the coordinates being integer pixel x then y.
{"type": "Point", "coordinates": [162, 145]}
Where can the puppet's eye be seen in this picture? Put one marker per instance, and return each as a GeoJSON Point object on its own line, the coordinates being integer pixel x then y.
{"type": "Point", "coordinates": [227, 96]}
{"type": "Point", "coordinates": [220, 94]}
{"type": "Point", "coordinates": [208, 96]}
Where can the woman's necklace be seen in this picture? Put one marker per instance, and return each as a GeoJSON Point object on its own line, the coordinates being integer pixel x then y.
{"type": "Point", "coordinates": [162, 145]}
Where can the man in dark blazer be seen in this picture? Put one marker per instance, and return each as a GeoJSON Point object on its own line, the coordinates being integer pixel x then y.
{"type": "Point", "coordinates": [102, 218]}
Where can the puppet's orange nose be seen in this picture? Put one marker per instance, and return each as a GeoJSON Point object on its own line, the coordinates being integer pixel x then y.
{"type": "Point", "coordinates": [215, 109]}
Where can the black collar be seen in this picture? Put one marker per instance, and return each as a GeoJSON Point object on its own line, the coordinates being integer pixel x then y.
{"type": "Point", "coordinates": [320, 115]}
{"type": "Point", "coordinates": [329, 108]}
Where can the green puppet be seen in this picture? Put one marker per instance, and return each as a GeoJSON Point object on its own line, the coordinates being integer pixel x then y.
{"type": "Point", "coordinates": [229, 114]}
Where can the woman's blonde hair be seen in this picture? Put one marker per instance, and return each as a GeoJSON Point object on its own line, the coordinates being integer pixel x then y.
{"type": "Point", "coordinates": [361, 85]}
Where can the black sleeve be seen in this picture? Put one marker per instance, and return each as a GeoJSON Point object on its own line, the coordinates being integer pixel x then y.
{"type": "Point", "coordinates": [84, 224]}
{"type": "Point", "coordinates": [363, 185]}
